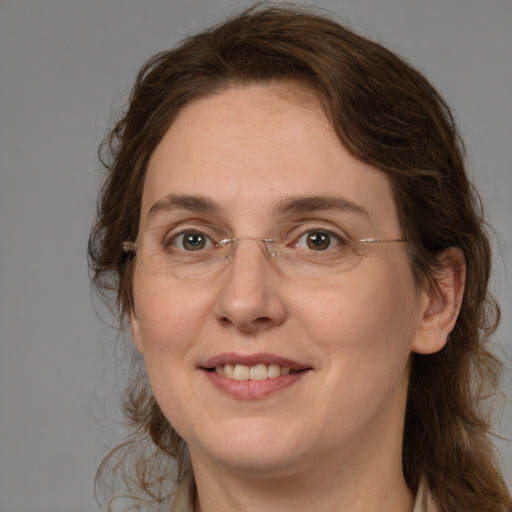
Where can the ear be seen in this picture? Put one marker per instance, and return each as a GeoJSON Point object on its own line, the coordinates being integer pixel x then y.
{"type": "Point", "coordinates": [134, 327]}
{"type": "Point", "coordinates": [440, 302]}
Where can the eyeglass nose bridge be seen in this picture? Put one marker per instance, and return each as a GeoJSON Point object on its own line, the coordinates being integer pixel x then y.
{"type": "Point", "coordinates": [230, 243]}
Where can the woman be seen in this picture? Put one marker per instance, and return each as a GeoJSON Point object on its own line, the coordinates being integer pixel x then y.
{"type": "Point", "coordinates": [289, 229]}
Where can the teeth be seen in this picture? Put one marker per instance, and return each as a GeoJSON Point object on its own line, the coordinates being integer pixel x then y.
{"type": "Point", "coordinates": [257, 372]}
{"type": "Point", "coordinates": [229, 371]}
{"type": "Point", "coordinates": [242, 372]}
{"type": "Point", "coordinates": [274, 370]}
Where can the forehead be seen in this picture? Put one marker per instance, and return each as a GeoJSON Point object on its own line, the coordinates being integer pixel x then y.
{"type": "Point", "coordinates": [251, 147]}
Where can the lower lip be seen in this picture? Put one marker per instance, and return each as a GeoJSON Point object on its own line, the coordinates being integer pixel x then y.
{"type": "Point", "coordinates": [253, 389]}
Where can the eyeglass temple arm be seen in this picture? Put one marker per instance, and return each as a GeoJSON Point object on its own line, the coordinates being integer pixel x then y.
{"type": "Point", "coordinates": [377, 241]}
{"type": "Point", "coordinates": [129, 246]}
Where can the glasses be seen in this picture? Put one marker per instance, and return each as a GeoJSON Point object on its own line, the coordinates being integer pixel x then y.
{"type": "Point", "coordinates": [300, 250]}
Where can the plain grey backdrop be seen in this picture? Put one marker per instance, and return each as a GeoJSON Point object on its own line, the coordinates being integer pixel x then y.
{"type": "Point", "coordinates": [63, 63]}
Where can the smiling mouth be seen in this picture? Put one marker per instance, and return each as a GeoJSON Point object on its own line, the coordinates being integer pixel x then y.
{"type": "Point", "coordinates": [259, 371]}
{"type": "Point", "coordinates": [255, 376]}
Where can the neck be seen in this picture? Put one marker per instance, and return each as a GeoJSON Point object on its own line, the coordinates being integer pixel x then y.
{"type": "Point", "coordinates": [330, 485]}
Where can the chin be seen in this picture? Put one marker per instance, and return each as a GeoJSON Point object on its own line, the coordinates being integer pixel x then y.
{"type": "Point", "coordinates": [257, 462]}
{"type": "Point", "coordinates": [257, 448]}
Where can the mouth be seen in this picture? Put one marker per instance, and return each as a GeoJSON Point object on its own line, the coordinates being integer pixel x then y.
{"type": "Point", "coordinates": [255, 376]}
{"type": "Point", "coordinates": [260, 371]}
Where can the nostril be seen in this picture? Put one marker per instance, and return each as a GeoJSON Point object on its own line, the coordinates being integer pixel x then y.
{"type": "Point", "coordinates": [248, 325]}
{"type": "Point", "coordinates": [225, 321]}
{"type": "Point", "coordinates": [263, 320]}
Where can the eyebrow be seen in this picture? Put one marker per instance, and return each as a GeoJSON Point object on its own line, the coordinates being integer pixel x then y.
{"type": "Point", "coordinates": [289, 205]}
{"type": "Point", "coordinates": [308, 204]}
{"type": "Point", "coordinates": [174, 202]}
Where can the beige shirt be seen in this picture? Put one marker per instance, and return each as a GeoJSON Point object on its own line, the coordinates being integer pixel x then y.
{"type": "Point", "coordinates": [182, 503]}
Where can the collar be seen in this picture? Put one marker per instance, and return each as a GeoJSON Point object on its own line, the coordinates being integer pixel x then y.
{"type": "Point", "coordinates": [182, 499]}
{"type": "Point", "coordinates": [424, 501]}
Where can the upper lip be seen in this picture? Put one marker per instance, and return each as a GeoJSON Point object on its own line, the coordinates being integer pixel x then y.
{"type": "Point", "coordinates": [252, 359]}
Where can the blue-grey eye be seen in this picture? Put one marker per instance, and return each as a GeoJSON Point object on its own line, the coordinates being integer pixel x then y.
{"type": "Point", "coordinates": [191, 241]}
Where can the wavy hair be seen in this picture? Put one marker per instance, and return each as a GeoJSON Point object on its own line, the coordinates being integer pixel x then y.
{"type": "Point", "coordinates": [386, 114]}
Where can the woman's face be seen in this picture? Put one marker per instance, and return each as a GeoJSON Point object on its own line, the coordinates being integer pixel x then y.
{"type": "Point", "coordinates": [245, 161]}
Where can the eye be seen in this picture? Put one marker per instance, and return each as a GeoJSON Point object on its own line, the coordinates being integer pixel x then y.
{"type": "Point", "coordinates": [191, 241]}
{"type": "Point", "coordinates": [319, 240]}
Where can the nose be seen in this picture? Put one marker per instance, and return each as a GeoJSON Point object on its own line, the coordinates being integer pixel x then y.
{"type": "Point", "coordinates": [250, 299]}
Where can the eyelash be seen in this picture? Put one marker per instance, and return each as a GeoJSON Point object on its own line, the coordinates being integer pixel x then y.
{"type": "Point", "coordinates": [171, 240]}
{"type": "Point", "coordinates": [333, 238]}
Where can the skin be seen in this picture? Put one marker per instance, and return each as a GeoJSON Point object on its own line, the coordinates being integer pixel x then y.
{"type": "Point", "coordinates": [332, 440]}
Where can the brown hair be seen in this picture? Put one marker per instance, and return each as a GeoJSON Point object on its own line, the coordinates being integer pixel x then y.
{"type": "Point", "coordinates": [387, 115]}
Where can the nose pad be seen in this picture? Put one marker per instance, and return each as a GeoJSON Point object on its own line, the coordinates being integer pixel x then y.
{"type": "Point", "coordinates": [264, 243]}
{"type": "Point", "coordinates": [250, 299]}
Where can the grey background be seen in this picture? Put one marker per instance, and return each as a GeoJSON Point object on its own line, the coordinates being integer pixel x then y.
{"type": "Point", "coordinates": [63, 63]}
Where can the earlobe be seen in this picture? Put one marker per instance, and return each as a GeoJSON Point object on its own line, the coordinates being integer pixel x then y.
{"type": "Point", "coordinates": [134, 327]}
{"type": "Point", "coordinates": [441, 302]}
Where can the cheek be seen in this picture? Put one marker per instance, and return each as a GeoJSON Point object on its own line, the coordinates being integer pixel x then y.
{"type": "Point", "coordinates": [169, 318]}
{"type": "Point", "coordinates": [366, 322]}
{"type": "Point", "coordinates": [169, 321]}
